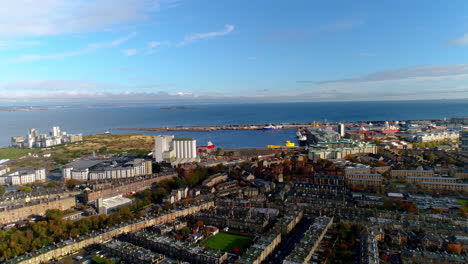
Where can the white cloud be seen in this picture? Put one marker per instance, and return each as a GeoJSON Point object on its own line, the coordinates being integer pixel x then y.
{"type": "Point", "coordinates": [417, 72]}
{"type": "Point", "coordinates": [152, 45]}
{"type": "Point", "coordinates": [166, 3]}
{"type": "Point", "coordinates": [38, 57]}
{"type": "Point", "coordinates": [89, 48]}
{"type": "Point", "coordinates": [199, 36]}
{"type": "Point", "coordinates": [8, 44]}
{"type": "Point", "coordinates": [463, 40]}
{"type": "Point", "coordinates": [120, 41]}
{"type": "Point", "coordinates": [182, 93]}
{"type": "Point", "coordinates": [93, 92]}
{"type": "Point", "coordinates": [52, 85]}
{"type": "Point", "coordinates": [130, 52]}
{"type": "Point", "coordinates": [53, 17]}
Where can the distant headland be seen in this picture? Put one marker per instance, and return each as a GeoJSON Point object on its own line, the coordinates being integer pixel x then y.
{"type": "Point", "coordinates": [179, 107]}
{"type": "Point", "coordinates": [28, 108]}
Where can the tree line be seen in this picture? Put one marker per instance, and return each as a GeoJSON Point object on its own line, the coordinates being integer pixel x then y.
{"type": "Point", "coordinates": [54, 229]}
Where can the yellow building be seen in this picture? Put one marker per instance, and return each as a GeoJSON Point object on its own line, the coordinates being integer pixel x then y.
{"type": "Point", "coordinates": [403, 174]}
{"type": "Point", "coordinates": [363, 182]}
{"type": "Point", "coordinates": [444, 186]}
{"type": "Point", "coordinates": [431, 179]}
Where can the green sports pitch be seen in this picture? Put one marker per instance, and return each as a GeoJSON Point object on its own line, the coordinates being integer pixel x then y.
{"type": "Point", "coordinates": [227, 242]}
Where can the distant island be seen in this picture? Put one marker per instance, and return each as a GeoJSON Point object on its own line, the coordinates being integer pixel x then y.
{"type": "Point", "coordinates": [28, 108]}
{"type": "Point", "coordinates": [179, 107]}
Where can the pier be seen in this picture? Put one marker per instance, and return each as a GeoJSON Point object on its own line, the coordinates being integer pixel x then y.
{"type": "Point", "coordinates": [221, 127]}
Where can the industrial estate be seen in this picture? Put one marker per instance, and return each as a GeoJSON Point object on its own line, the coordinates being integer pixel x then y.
{"type": "Point", "coordinates": [345, 192]}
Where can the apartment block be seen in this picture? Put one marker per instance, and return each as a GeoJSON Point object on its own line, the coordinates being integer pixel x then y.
{"type": "Point", "coordinates": [445, 186]}
{"type": "Point", "coordinates": [23, 176]}
{"type": "Point", "coordinates": [418, 180]}
{"type": "Point", "coordinates": [305, 249]}
{"type": "Point", "coordinates": [92, 170]}
{"type": "Point", "coordinates": [403, 174]}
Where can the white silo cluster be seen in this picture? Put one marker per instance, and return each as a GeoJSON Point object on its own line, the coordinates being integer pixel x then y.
{"type": "Point", "coordinates": [170, 149]}
{"type": "Point", "coordinates": [185, 148]}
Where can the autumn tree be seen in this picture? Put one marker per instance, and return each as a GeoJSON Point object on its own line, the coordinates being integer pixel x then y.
{"type": "Point", "coordinates": [185, 231]}
{"type": "Point", "coordinates": [52, 184]}
{"type": "Point", "coordinates": [25, 189]}
{"type": "Point", "coordinates": [454, 248]}
{"type": "Point", "coordinates": [381, 163]}
{"type": "Point", "coordinates": [158, 194]}
{"type": "Point", "coordinates": [71, 183]}
{"type": "Point", "coordinates": [429, 157]}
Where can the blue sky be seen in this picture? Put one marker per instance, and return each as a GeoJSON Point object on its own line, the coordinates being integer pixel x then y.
{"type": "Point", "coordinates": [232, 50]}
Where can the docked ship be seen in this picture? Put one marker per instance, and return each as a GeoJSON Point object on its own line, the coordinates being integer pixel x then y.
{"type": "Point", "coordinates": [271, 127]}
{"type": "Point", "coordinates": [209, 145]}
{"type": "Point", "coordinates": [388, 129]}
{"type": "Point", "coordinates": [434, 126]}
{"type": "Point", "coordinates": [301, 138]}
{"type": "Point", "coordinates": [287, 144]}
{"type": "Point", "coordinates": [298, 133]}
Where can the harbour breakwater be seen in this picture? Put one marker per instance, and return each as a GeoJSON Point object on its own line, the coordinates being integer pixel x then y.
{"type": "Point", "coordinates": [278, 126]}
{"type": "Point", "coordinates": [221, 127]}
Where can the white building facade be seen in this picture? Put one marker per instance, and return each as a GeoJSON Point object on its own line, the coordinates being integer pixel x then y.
{"type": "Point", "coordinates": [341, 129]}
{"type": "Point", "coordinates": [436, 136]}
{"type": "Point", "coordinates": [163, 144]}
{"type": "Point", "coordinates": [36, 140]}
{"type": "Point", "coordinates": [138, 167]}
{"type": "Point", "coordinates": [175, 150]}
{"type": "Point", "coordinates": [186, 148]}
{"type": "Point", "coordinates": [23, 176]}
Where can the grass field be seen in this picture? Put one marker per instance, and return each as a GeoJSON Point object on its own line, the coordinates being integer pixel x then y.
{"type": "Point", "coordinates": [13, 153]}
{"type": "Point", "coordinates": [62, 154]}
{"type": "Point", "coordinates": [463, 203]}
{"type": "Point", "coordinates": [227, 242]}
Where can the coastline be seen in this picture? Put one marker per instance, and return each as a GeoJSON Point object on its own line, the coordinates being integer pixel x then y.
{"type": "Point", "coordinates": [279, 126]}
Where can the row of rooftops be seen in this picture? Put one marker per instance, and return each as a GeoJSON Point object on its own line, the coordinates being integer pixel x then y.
{"type": "Point", "coordinates": [13, 206]}
{"type": "Point", "coordinates": [435, 256]}
{"type": "Point", "coordinates": [89, 235]}
{"type": "Point", "coordinates": [257, 249]}
{"type": "Point", "coordinates": [418, 170]}
{"type": "Point", "coordinates": [369, 250]}
{"type": "Point", "coordinates": [108, 183]}
{"type": "Point", "coordinates": [267, 240]}
{"type": "Point", "coordinates": [131, 250]}
{"type": "Point", "coordinates": [431, 178]}
{"type": "Point", "coordinates": [181, 245]}
{"type": "Point", "coordinates": [103, 164]}
{"type": "Point", "coordinates": [365, 179]}
{"type": "Point", "coordinates": [363, 174]}
{"type": "Point", "coordinates": [446, 183]}
{"type": "Point", "coordinates": [311, 238]}
{"type": "Point", "coordinates": [330, 149]}
{"type": "Point", "coordinates": [37, 192]}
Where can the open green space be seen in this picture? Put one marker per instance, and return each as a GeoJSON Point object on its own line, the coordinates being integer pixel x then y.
{"type": "Point", "coordinates": [62, 154]}
{"type": "Point", "coordinates": [228, 242]}
{"type": "Point", "coordinates": [13, 153]}
{"type": "Point", "coordinates": [463, 202]}
{"type": "Point", "coordinates": [397, 182]}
